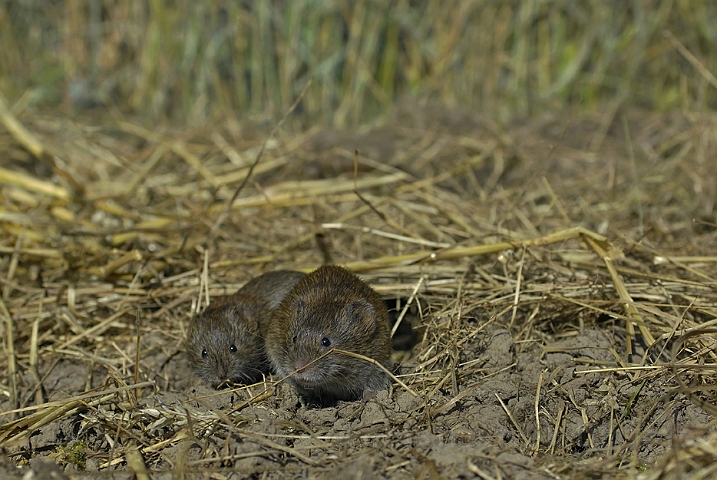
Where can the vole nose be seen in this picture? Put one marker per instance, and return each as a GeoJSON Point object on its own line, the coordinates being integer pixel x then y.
{"type": "Point", "coordinates": [300, 364]}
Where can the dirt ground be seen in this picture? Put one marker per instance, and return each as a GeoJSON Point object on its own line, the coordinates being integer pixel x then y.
{"type": "Point", "coordinates": [522, 362]}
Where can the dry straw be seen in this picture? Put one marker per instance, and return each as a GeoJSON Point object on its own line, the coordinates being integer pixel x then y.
{"type": "Point", "coordinates": [598, 229]}
{"type": "Point", "coordinates": [120, 281]}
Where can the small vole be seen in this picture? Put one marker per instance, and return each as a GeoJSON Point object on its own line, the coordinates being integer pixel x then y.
{"type": "Point", "coordinates": [226, 341]}
{"type": "Point", "coordinates": [330, 308]}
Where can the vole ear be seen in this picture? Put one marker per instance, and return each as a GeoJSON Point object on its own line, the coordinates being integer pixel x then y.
{"type": "Point", "coordinates": [361, 313]}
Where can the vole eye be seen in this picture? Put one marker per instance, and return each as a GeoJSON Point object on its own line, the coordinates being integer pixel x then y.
{"type": "Point", "coordinates": [204, 353]}
{"type": "Point", "coordinates": [325, 342]}
{"type": "Point", "coordinates": [233, 349]}
{"type": "Point", "coordinates": [293, 340]}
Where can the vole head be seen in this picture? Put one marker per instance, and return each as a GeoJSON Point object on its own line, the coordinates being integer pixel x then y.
{"type": "Point", "coordinates": [315, 329]}
{"type": "Point", "coordinates": [224, 344]}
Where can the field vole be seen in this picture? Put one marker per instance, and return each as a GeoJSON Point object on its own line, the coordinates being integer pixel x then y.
{"type": "Point", "coordinates": [330, 308]}
{"type": "Point", "coordinates": [225, 342]}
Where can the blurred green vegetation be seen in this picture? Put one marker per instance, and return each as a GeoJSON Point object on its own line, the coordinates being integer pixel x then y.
{"type": "Point", "coordinates": [185, 60]}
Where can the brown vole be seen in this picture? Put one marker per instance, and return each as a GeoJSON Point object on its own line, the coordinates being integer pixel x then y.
{"type": "Point", "coordinates": [330, 308]}
{"type": "Point", "coordinates": [225, 342]}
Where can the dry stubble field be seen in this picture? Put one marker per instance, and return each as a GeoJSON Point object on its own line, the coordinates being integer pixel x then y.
{"type": "Point", "coordinates": [558, 277]}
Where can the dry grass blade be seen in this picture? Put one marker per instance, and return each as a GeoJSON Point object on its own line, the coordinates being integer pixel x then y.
{"type": "Point", "coordinates": [33, 145]}
{"type": "Point", "coordinates": [19, 132]}
{"type": "Point", "coordinates": [408, 304]}
{"type": "Point", "coordinates": [692, 59]}
{"type": "Point", "coordinates": [136, 463]}
{"type": "Point", "coordinates": [11, 432]}
{"type": "Point", "coordinates": [374, 362]}
{"type": "Point", "coordinates": [683, 386]}
{"type": "Point", "coordinates": [291, 451]}
{"type": "Point", "coordinates": [259, 155]}
{"type": "Point", "coordinates": [512, 420]}
{"type": "Point", "coordinates": [631, 311]}
{"type": "Point", "coordinates": [9, 348]}
{"type": "Point", "coordinates": [32, 184]}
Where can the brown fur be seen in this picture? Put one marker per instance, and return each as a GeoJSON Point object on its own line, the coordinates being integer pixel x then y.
{"type": "Point", "coordinates": [333, 306]}
{"type": "Point", "coordinates": [225, 342]}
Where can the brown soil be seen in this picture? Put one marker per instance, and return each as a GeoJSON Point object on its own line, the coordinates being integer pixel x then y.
{"type": "Point", "coordinates": [492, 332]}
